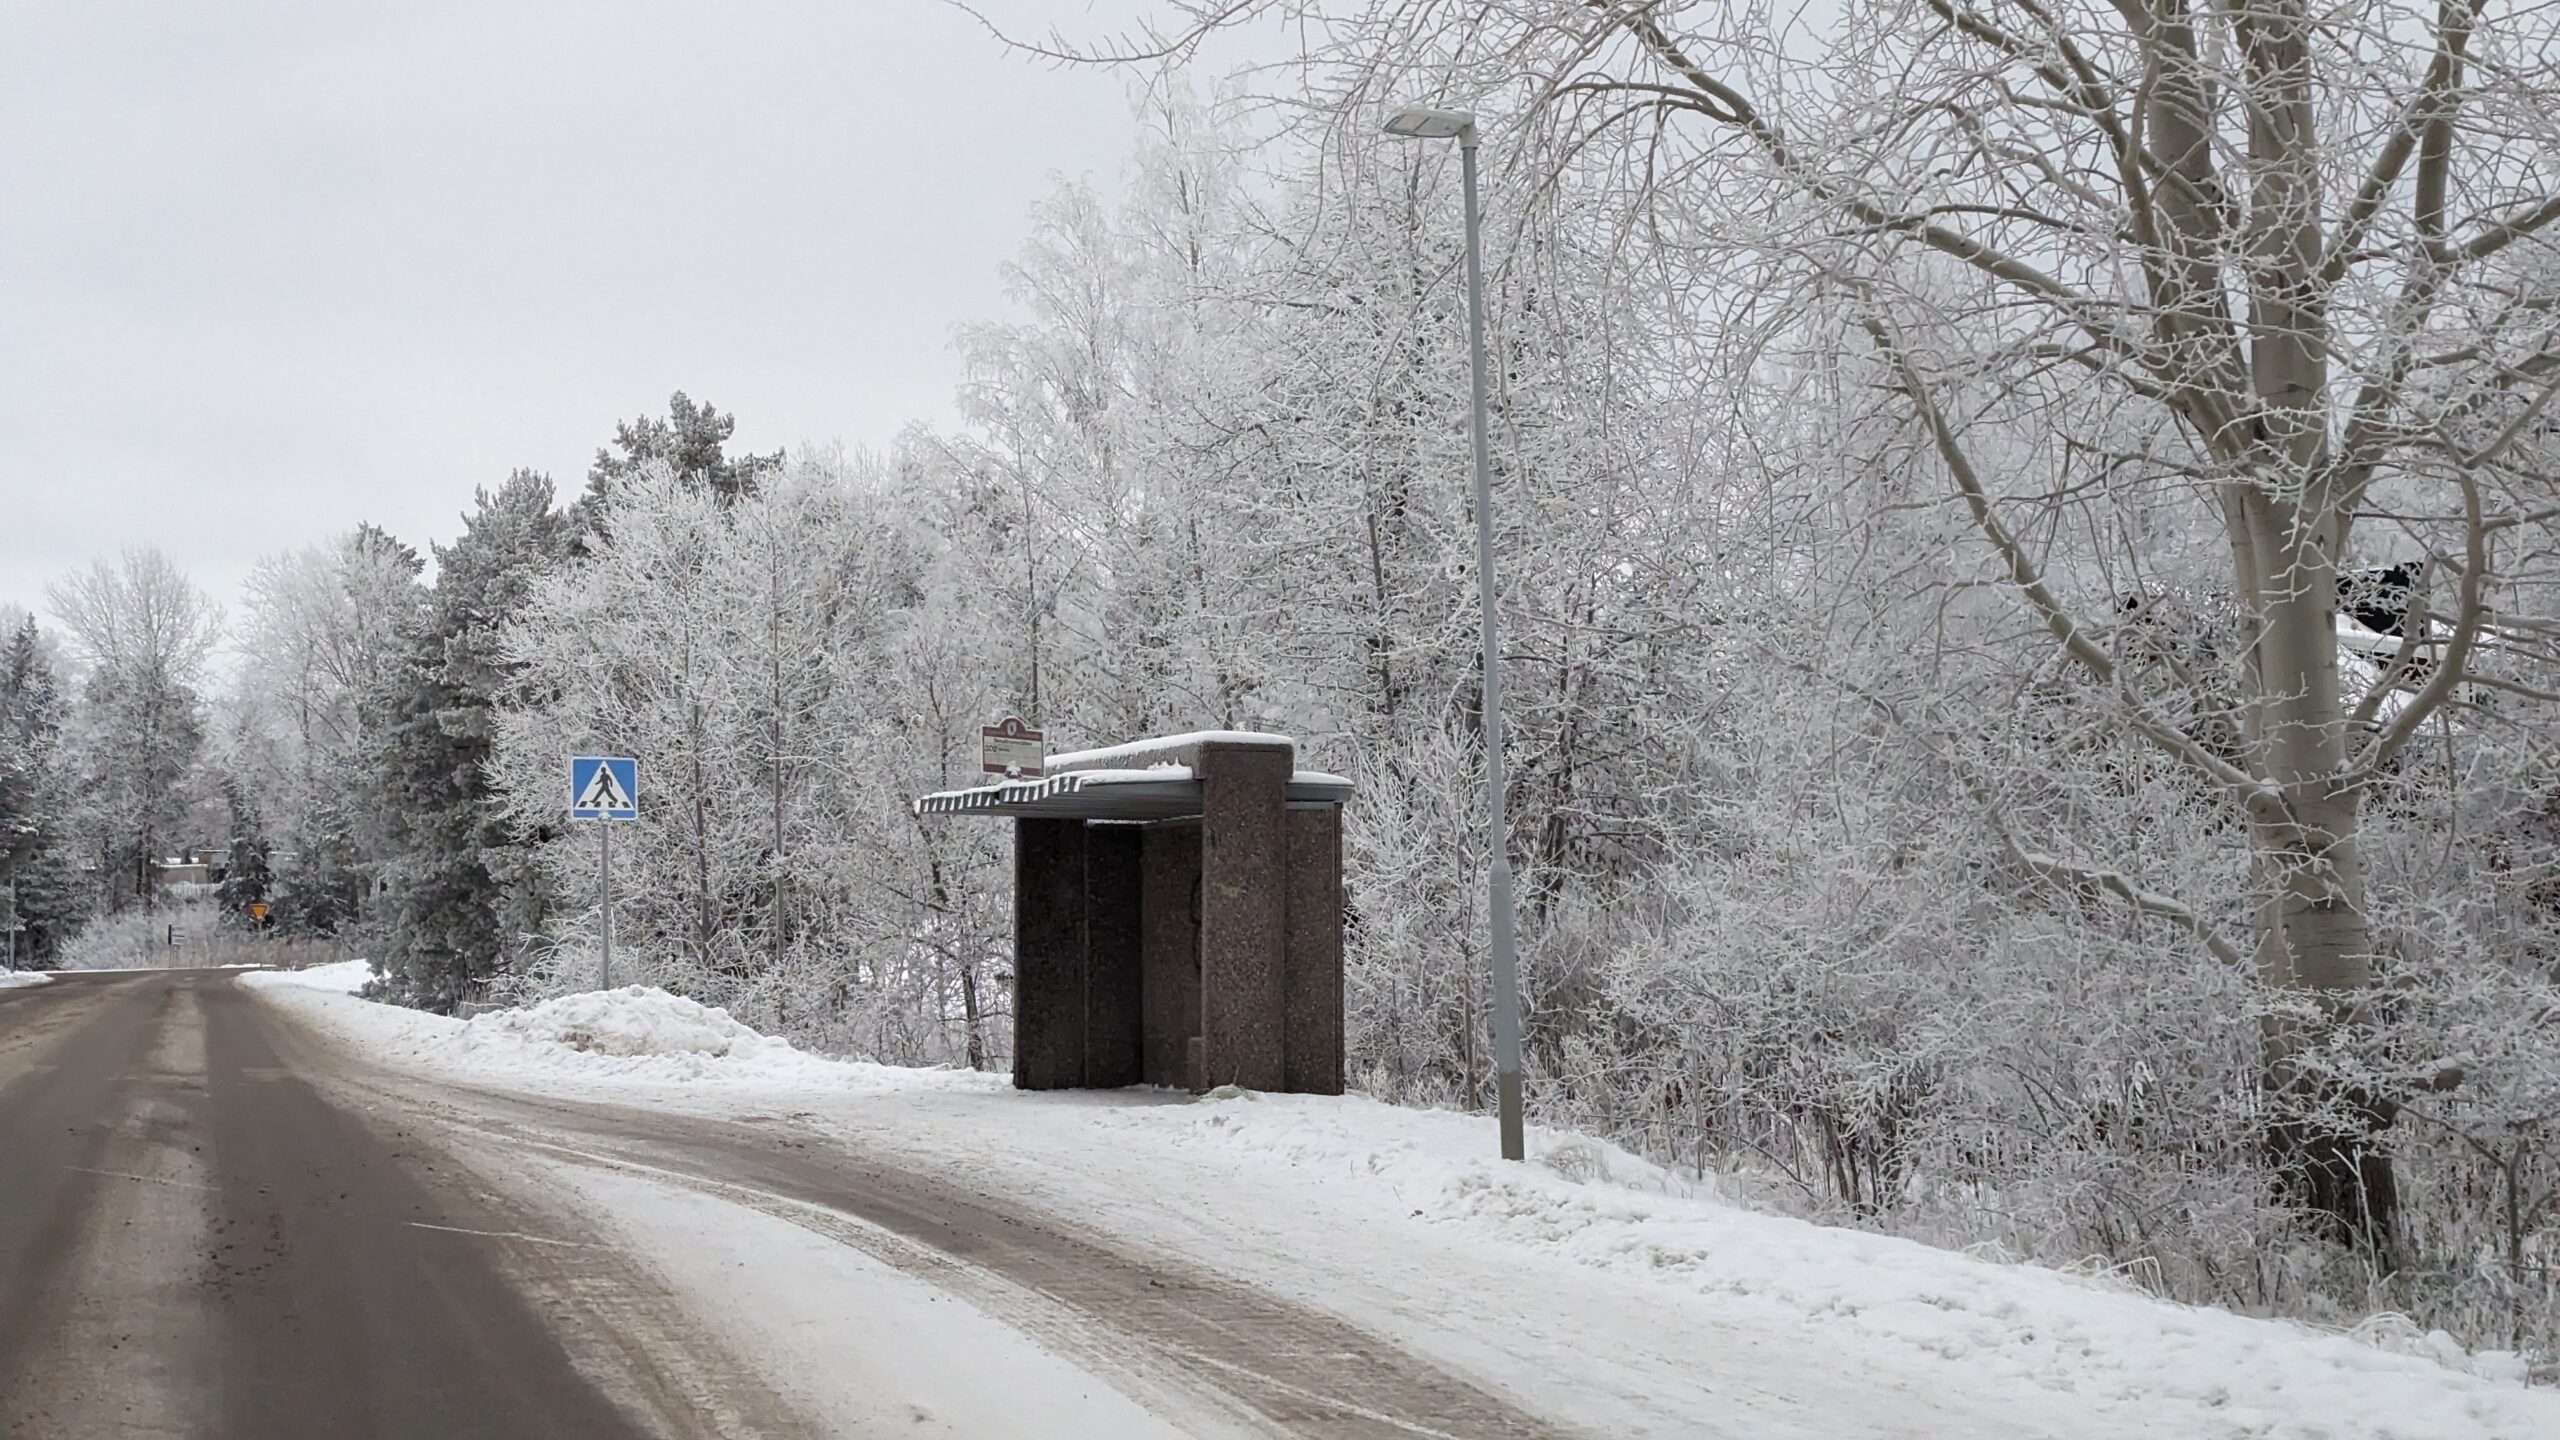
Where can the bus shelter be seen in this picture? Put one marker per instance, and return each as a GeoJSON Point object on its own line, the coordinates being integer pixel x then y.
{"type": "Point", "coordinates": [1177, 914]}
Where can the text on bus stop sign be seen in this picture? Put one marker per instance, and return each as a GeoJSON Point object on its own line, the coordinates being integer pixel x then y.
{"type": "Point", "coordinates": [1013, 750]}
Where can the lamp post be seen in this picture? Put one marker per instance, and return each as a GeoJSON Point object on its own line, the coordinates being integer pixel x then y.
{"type": "Point", "coordinates": [1422, 124]}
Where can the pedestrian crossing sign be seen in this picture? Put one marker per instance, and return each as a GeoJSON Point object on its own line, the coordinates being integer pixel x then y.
{"type": "Point", "coordinates": [604, 787]}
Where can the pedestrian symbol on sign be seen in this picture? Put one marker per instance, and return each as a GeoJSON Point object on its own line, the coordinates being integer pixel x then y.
{"type": "Point", "coordinates": [602, 793]}
{"type": "Point", "coordinates": [604, 787]}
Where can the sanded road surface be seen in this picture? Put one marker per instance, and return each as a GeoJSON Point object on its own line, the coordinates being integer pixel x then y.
{"type": "Point", "coordinates": [193, 1243]}
{"type": "Point", "coordinates": [214, 1224]}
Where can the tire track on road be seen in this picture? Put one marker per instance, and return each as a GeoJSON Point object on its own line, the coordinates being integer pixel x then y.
{"type": "Point", "coordinates": [99, 1334]}
{"type": "Point", "coordinates": [1143, 1319]}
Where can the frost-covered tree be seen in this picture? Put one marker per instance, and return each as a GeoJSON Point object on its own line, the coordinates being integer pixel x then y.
{"type": "Point", "coordinates": [247, 878]}
{"type": "Point", "coordinates": [321, 628]}
{"type": "Point", "coordinates": [460, 897]}
{"type": "Point", "coordinates": [2148, 298]}
{"type": "Point", "coordinates": [34, 799]}
{"type": "Point", "coordinates": [767, 660]}
{"type": "Point", "coordinates": [690, 443]}
{"type": "Point", "coordinates": [143, 633]}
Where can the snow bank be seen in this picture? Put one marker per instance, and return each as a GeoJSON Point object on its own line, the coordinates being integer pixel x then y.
{"type": "Point", "coordinates": [345, 977]}
{"type": "Point", "coordinates": [641, 1033]}
{"type": "Point", "coordinates": [635, 1020]}
{"type": "Point", "coordinates": [612, 1039]}
{"type": "Point", "coordinates": [21, 979]}
{"type": "Point", "coordinates": [2100, 1341]}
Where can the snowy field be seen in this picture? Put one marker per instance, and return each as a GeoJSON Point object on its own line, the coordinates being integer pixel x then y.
{"type": "Point", "coordinates": [1588, 1286]}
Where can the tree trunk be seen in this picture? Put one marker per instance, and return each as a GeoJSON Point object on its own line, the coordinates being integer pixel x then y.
{"type": "Point", "coordinates": [773, 646]}
{"type": "Point", "coordinates": [2313, 939]}
{"type": "Point", "coordinates": [704, 916]}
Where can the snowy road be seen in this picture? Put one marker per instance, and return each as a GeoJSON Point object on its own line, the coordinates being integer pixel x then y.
{"type": "Point", "coordinates": [212, 1225]}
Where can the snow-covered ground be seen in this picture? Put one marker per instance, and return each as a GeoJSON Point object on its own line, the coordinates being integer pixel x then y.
{"type": "Point", "coordinates": [1588, 1286]}
{"type": "Point", "coordinates": [20, 979]}
{"type": "Point", "coordinates": [604, 1040]}
{"type": "Point", "coordinates": [345, 977]}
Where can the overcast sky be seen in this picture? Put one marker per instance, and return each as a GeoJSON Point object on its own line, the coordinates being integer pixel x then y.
{"type": "Point", "coordinates": [270, 268]}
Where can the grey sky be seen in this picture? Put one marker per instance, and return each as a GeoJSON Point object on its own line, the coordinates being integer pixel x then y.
{"type": "Point", "coordinates": [267, 269]}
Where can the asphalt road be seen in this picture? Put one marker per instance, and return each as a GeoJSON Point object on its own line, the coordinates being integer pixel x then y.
{"type": "Point", "coordinates": [212, 1224]}
{"type": "Point", "coordinates": [194, 1243]}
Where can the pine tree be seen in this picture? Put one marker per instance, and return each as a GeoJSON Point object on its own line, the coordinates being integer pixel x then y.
{"type": "Point", "coordinates": [689, 442]}
{"type": "Point", "coordinates": [247, 879]}
{"type": "Point", "coordinates": [38, 868]}
{"type": "Point", "coordinates": [457, 890]}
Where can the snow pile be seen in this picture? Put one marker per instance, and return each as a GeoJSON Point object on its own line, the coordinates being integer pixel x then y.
{"type": "Point", "coordinates": [21, 979]}
{"type": "Point", "coordinates": [1602, 1209]}
{"type": "Point", "coordinates": [614, 1039]}
{"type": "Point", "coordinates": [634, 1020]}
{"type": "Point", "coordinates": [345, 977]}
{"type": "Point", "coordinates": [640, 1033]}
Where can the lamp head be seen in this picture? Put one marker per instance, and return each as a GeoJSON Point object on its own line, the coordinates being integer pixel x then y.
{"type": "Point", "coordinates": [1418, 123]}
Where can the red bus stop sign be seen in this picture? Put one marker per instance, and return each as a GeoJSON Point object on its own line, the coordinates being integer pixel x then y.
{"type": "Point", "coordinates": [1013, 750]}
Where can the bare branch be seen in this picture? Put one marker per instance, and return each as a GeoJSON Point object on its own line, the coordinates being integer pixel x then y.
{"type": "Point", "coordinates": [2430, 109]}
{"type": "Point", "coordinates": [2114, 882]}
{"type": "Point", "coordinates": [2075, 638]}
{"type": "Point", "coordinates": [2515, 227]}
{"type": "Point", "coordinates": [2470, 614]}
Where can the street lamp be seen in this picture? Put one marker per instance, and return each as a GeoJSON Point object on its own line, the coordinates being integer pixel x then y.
{"type": "Point", "coordinates": [1423, 124]}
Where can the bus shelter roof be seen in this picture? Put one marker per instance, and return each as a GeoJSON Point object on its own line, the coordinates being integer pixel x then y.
{"type": "Point", "coordinates": [1160, 792]}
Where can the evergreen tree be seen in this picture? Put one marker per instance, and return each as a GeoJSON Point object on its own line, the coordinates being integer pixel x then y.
{"type": "Point", "coordinates": [457, 890]}
{"type": "Point", "coordinates": [689, 441]}
{"type": "Point", "coordinates": [320, 885]}
{"type": "Point", "coordinates": [247, 880]}
{"type": "Point", "coordinates": [37, 864]}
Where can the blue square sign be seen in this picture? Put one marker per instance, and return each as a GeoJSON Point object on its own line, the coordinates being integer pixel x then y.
{"type": "Point", "coordinates": [604, 787]}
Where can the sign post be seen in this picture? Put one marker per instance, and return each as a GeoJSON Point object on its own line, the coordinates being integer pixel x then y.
{"type": "Point", "coordinates": [1013, 750]}
{"type": "Point", "coordinates": [607, 788]}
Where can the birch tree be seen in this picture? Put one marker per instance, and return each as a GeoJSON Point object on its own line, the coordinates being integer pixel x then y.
{"type": "Point", "coordinates": [144, 633]}
{"type": "Point", "coordinates": [320, 635]}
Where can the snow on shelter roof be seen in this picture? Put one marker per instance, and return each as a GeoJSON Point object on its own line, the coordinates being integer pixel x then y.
{"type": "Point", "coordinates": [1164, 750]}
{"type": "Point", "coordinates": [1144, 780]}
{"type": "Point", "coordinates": [1160, 792]}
